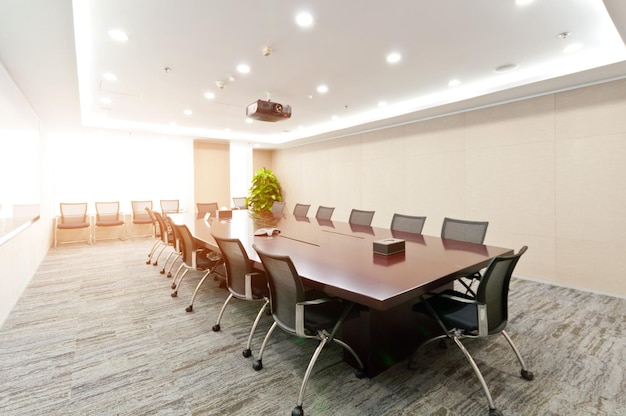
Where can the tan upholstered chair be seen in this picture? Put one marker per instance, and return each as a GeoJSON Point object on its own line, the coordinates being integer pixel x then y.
{"type": "Point", "coordinates": [73, 217]}
{"type": "Point", "coordinates": [108, 217]}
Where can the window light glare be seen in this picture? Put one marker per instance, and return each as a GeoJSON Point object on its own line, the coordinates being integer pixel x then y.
{"type": "Point", "coordinates": [109, 76]}
{"type": "Point", "coordinates": [382, 103]}
{"type": "Point", "coordinates": [334, 118]}
{"type": "Point", "coordinates": [322, 89]}
{"type": "Point", "coordinates": [454, 83]}
{"type": "Point", "coordinates": [304, 19]}
{"type": "Point", "coordinates": [394, 57]}
{"type": "Point", "coordinates": [118, 35]}
{"type": "Point", "coordinates": [187, 112]}
{"type": "Point", "coordinates": [105, 100]}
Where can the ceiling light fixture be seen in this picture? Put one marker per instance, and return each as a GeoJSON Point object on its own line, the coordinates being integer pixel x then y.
{"type": "Point", "coordinates": [304, 19]}
{"type": "Point", "coordinates": [209, 95]}
{"type": "Point", "coordinates": [243, 68]}
{"type": "Point", "coordinates": [118, 35]}
{"type": "Point", "coordinates": [563, 35]}
{"type": "Point", "coordinates": [523, 2]}
{"type": "Point", "coordinates": [322, 89]}
{"type": "Point", "coordinates": [394, 57]}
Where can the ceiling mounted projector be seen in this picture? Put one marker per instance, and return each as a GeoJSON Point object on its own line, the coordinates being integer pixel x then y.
{"type": "Point", "coordinates": [268, 111]}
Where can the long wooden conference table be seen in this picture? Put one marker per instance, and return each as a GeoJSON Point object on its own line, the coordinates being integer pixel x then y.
{"type": "Point", "coordinates": [338, 258]}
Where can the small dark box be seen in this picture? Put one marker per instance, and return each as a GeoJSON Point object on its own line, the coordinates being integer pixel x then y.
{"type": "Point", "coordinates": [389, 246]}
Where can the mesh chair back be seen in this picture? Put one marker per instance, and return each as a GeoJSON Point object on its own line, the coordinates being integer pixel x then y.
{"type": "Point", "coordinates": [461, 230]}
{"type": "Point", "coordinates": [139, 211]}
{"type": "Point", "coordinates": [166, 234]}
{"type": "Point", "coordinates": [300, 210]}
{"type": "Point", "coordinates": [493, 289]}
{"type": "Point", "coordinates": [107, 212]}
{"type": "Point", "coordinates": [204, 207]}
{"type": "Point", "coordinates": [324, 213]}
{"type": "Point", "coordinates": [169, 206]}
{"type": "Point", "coordinates": [237, 264]}
{"type": "Point", "coordinates": [359, 217]}
{"type": "Point", "coordinates": [278, 207]}
{"type": "Point", "coordinates": [74, 214]}
{"type": "Point", "coordinates": [186, 242]}
{"type": "Point", "coordinates": [285, 286]}
{"type": "Point", "coordinates": [240, 202]}
{"type": "Point", "coordinates": [407, 223]}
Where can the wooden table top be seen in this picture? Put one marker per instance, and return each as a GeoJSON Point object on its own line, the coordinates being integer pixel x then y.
{"type": "Point", "coordinates": [338, 258]}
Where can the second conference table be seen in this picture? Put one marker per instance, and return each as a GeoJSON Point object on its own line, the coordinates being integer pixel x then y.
{"type": "Point", "coordinates": [338, 258]}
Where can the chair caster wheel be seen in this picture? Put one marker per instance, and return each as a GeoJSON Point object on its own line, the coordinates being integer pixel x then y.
{"type": "Point", "coordinates": [174, 293]}
{"type": "Point", "coordinates": [297, 411]}
{"type": "Point", "coordinates": [216, 328]}
{"type": "Point", "coordinates": [162, 271]}
{"type": "Point", "coordinates": [173, 285]}
{"type": "Point", "coordinates": [189, 308]}
{"type": "Point", "coordinates": [169, 275]}
{"type": "Point", "coordinates": [528, 375]}
{"type": "Point", "coordinates": [258, 365]}
{"type": "Point", "coordinates": [246, 353]}
{"type": "Point", "coordinates": [148, 261]}
{"type": "Point", "coordinates": [360, 373]}
{"type": "Point", "coordinates": [495, 412]}
{"type": "Point", "coordinates": [155, 263]}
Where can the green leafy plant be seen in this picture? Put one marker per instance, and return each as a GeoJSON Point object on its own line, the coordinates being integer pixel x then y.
{"type": "Point", "coordinates": [264, 190]}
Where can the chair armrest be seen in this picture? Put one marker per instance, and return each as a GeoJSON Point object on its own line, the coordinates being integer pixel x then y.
{"type": "Point", "coordinates": [248, 285]}
{"type": "Point", "coordinates": [300, 307]}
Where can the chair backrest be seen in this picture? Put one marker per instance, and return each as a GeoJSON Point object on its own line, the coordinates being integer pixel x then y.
{"type": "Point", "coordinates": [493, 289]}
{"type": "Point", "coordinates": [285, 286]}
{"type": "Point", "coordinates": [461, 230]}
{"type": "Point", "coordinates": [237, 264]}
{"type": "Point", "coordinates": [324, 213]}
{"type": "Point", "coordinates": [170, 206]}
{"type": "Point", "coordinates": [73, 212]}
{"type": "Point", "coordinates": [139, 209]}
{"type": "Point", "coordinates": [407, 223]}
{"type": "Point", "coordinates": [166, 236]}
{"type": "Point", "coordinates": [240, 202]}
{"type": "Point", "coordinates": [186, 242]}
{"type": "Point", "coordinates": [278, 207]}
{"type": "Point", "coordinates": [204, 207]}
{"type": "Point", "coordinates": [176, 238]}
{"type": "Point", "coordinates": [107, 211]}
{"type": "Point", "coordinates": [300, 210]}
{"type": "Point", "coordinates": [360, 217]}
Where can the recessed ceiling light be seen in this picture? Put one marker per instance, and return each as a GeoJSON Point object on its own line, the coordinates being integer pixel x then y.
{"type": "Point", "coordinates": [322, 89]}
{"type": "Point", "coordinates": [109, 77]}
{"type": "Point", "coordinates": [506, 68]}
{"type": "Point", "coordinates": [523, 2]}
{"type": "Point", "coordinates": [243, 68]}
{"type": "Point", "coordinates": [573, 48]}
{"type": "Point", "coordinates": [188, 112]}
{"type": "Point", "coordinates": [118, 35]}
{"type": "Point", "coordinates": [304, 19]}
{"type": "Point", "coordinates": [394, 57]}
{"type": "Point", "coordinates": [454, 83]}
{"type": "Point", "coordinates": [209, 95]}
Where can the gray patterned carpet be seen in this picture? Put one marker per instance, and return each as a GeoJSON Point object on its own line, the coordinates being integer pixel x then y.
{"type": "Point", "coordinates": [97, 333]}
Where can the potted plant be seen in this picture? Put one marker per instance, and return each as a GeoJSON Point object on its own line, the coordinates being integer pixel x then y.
{"type": "Point", "coordinates": [264, 190]}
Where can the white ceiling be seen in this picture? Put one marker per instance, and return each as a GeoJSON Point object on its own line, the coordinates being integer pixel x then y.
{"type": "Point", "coordinates": [57, 52]}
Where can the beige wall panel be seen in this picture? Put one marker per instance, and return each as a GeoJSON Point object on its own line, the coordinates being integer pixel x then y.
{"type": "Point", "coordinates": [512, 187]}
{"type": "Point", "coordinates": [261, 159]}
{"type": "Point", "coordinates": [591, 111]}
{"type": "Point", "coordinates": [592, 265]}
{"type": "Point", "coordinates": [289, 172]}
{"type": "Point", "coordinates": [445, 134]}
{"type": "Point", "coordinates": [382, 144]}
{"type": "Point", "coordinates": [538, 262]}
{"type": "Point", "coordinates": [591, 198]}
{"type": "Point", "coordinates": [211, 173]}
{"type": "Point", "coordinates": [513, 123]}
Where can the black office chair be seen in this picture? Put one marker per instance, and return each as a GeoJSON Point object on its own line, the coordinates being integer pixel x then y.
{"type": "Point", "coordinates": [243, 282]}
{"type": "Point", "coordinates": [324, 213]}
{"type": "Point", "coordinates": [359, 217]}
{"type": "Point", "coordinates": [297, 315]}
{"type": "Point", "coordinates": [468, 231]}
{"type": "Point", "coordinates": [195, 256]}
{"type": "Point", "coordinates": [277, 207]}
{"type": "Point", "coordinates": [301, 210]}
{"type": "Point", "coordinates": [407, 223]}
{"type": "Point", "coordinates": [461, 316]}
